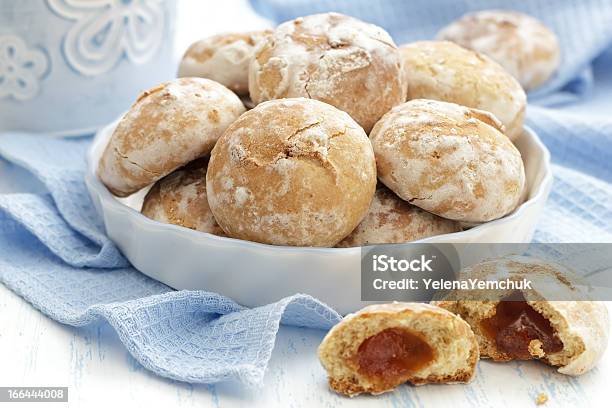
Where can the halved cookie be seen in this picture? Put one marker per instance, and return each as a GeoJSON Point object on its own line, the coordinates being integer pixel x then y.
{"type": "Point", "coordinates": [523, 325]}
{"type": "Point", "coordinates": [383, 346]}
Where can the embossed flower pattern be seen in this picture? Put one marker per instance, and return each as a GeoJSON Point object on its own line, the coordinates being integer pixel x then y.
{"type": "Point", "coordinates": [107, 30]}
{"type": "Point", "coordinates": [21, 68]}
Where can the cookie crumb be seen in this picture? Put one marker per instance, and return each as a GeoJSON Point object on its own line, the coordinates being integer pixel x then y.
{"type": "Point", "coordinates": [541, 399]}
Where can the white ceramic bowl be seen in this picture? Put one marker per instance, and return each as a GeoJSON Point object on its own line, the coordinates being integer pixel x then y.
{"type": "Point", "coordinates": [255, 274]}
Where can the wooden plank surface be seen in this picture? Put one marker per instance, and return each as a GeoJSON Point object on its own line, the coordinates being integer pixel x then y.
{"type": "Point", "coordinates": [92, 362]}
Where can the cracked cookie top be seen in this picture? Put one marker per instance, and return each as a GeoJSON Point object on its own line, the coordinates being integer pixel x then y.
{"type": "Point", "coordinates": [448, 159]}
{"type": "Point", "coordinates": [167, 127]}
{"type": "Point", "coordinates": [524, 46]}
{"type": "Point", "coordinates": [180, 198]}
{"type": "Point", "coordinates": [391, 220]}
{"type": "Point", "coordinates": [333, 58]}
{"type": "Point", "coordinates": [223, 58]}
{"type": "Point", "coordinates": [444, 71]}
{"type": "Point", "coordinates": [291, 172]}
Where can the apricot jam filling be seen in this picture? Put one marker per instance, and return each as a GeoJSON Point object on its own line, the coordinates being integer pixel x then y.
{"type": "Point", "coordinates": [515, 325]}
{"type": "Point", "coordinates": [392, 354]}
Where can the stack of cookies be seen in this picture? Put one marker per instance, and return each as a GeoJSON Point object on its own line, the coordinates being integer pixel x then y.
{"type": "Point", "coordinates": [350, 139]}
{"type": "Point", "coordinates": [322, 132]}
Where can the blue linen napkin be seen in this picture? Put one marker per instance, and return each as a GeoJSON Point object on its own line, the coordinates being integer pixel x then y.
{"type": "Point", "coordinates": [54, 254]}
{"type": "Point", "coordinates": [193, 336]}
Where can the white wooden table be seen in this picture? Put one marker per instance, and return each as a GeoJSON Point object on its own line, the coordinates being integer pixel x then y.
{"type": "Point", "coordinates": [92, 362]}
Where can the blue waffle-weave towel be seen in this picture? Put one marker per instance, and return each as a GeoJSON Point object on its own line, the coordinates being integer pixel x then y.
{"type": "Point", "coordinates": [53, 251]}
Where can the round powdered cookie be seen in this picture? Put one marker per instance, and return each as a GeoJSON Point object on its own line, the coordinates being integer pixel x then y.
{"type": "Point", "coordinates": [383, 346]}
{"type": "Point", "coordinates": [391, 220]}
{"type": "Point", "coordinates": [524, 46]}
{"type": "Point", "coordinates": [333, 58]}
{"type": "Point", "coordinates": [168, 126]}
{"type": "Point", "coordinates": [444, 71]}
{"type": "Point", "coordinates": [223, 58]}
{"type": "Point", "coordinates": [291, 172]}
{"type": "Point", "coordinates": [450, 160]}
{"type": "Point", "coordinates": [180, 199]}
{"type": "Point", "coordinates": [541, 322]}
